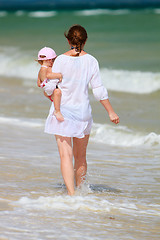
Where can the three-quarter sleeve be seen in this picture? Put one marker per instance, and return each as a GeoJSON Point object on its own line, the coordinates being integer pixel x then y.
{"type": "Point", "coordinates": [99, 91]}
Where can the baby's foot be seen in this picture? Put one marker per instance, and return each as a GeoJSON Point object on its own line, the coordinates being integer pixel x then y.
{"type": "Point", "coordinates": [59, 116]}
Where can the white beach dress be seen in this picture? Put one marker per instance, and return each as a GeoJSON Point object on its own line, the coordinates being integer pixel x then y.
{"type": "Point", "coordinates": [78, 73]}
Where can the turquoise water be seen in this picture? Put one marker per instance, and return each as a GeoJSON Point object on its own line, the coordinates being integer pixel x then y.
{"type": "Point", "coordinates": [121, 197]}
{"type": "Point", "coordinates": [120, 39]}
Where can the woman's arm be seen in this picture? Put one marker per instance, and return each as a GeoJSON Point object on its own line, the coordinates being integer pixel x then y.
{"type": "Point", "coordinates": [112, 115]}
{"type": "Point", "coordinates": [101, 94]}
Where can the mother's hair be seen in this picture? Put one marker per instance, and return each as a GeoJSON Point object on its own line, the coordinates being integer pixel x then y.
{"type": "Point", "coordinates": [77, 36]}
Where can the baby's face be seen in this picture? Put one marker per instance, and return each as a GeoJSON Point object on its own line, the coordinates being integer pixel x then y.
{"type": "Point", "coordinates": [50, 62]}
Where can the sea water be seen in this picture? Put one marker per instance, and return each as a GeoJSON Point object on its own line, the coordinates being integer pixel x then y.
{"type": "Point", "coordinates": [121, 197]}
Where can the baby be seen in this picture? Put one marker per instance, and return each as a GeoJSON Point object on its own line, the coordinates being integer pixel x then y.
{"type": "Point", "coordinates": [46, 57]}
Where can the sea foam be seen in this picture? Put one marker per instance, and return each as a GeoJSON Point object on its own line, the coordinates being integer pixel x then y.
{"type": "Point", "coordinates": [42, 14]}
{"type": "Point", "coordinates": [131, 81]}
{"type": "Point", "coordinates": [157, 11]}
{"type": "Point", "coordinates": [31, 123]}
{"type": "Point", "coordinates": [90, 203]}
{"type": "Point", "coordinates": [3, 13]}
{"type": "Point", "coordinates": [123, 137]}
{"type": "Point", "coordinates": [20, 13]}
{"type": "Point", "coordinates": [18, 63]}
{"type": "Point", "coordinates": [93, 12]}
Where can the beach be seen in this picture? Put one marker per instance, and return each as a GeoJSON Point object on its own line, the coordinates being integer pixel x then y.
{"type": "Point", "coordinates": [121, 197]}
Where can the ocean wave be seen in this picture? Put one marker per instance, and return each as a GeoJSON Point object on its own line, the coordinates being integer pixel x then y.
{"type": "Point", "coordinates": [131, 81]}
{"type": "Point", "coordinates": [20, 13]}
{"type": "Point", "coordinates": [18, 63]}
{"type": "Point", "coordinates": [89, 203]}
{"type": "Point", "coordinates": [120, 11]}
{"type": "Point", "coordinates": [31, 123]}
{"type": "Point", "coordinates": [157, 11]}
{"type": "Point", "coordinates": [93, 12]}
{"type": "Point", "coordinates": [122, 136]}
{"type": "Point", "coordinates": [3, 13]}
{"type": "Point", "coordinates": [22, 64]}
{"type": "Point", "coordinates": [42, 14]}
{"type": "Point", "coordinates": [85, 12]}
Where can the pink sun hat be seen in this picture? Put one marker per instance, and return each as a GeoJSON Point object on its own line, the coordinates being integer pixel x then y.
{"type": "Point", "coordinates": [49, 53]}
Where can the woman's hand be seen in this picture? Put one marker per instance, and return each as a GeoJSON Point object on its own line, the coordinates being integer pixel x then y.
{"type": "Point", "coordinates": [112, 115]}
{"type": "Point", "coordinates": [114, 118]}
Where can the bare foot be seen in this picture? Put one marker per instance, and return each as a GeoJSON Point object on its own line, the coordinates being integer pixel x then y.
{"type": "Point", "coordinates": [59, 116]}
{"type": "Point", "coordinates": [71, 194]}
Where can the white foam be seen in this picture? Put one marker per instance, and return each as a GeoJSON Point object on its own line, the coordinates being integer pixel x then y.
{"type": "Point", "coordinates": [19, 13]}
{"type": "Point", "coordinates": [32, 123]}
{"type": "Point", "coordinates": [91, 203]}
{"type": "Point", "coordinates": [18, 63]}
{"type": "Point", "coordinates": [131, 81]}
{"type": "Point", "coordinates": [93, 12]}
{"type": "Point", "coordinates": [42, 14]}
{"type": "Point", "coordinates": [157, 10]}
{"type": "Point", "coordinates": [3, 13]}
{"type": "Point", "coordinates": [122, 136]}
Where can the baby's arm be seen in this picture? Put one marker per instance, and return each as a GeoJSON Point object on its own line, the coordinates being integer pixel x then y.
{"type": "Point", "coordinates": [41, 76]}
{"type": "Point", "coordinates": [38, 82]}
{"type": "Point", "coordinates": [51, 75]}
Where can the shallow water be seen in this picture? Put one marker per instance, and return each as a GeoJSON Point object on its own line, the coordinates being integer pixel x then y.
{"type": "Point", "coordinates": [121, 198]}
{"type": "Point", "coordinates": [119, 201]}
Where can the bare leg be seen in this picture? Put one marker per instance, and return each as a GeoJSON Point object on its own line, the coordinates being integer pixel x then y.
{"type": "Point", "coordinates": [66, 156]}
{"type": "Point", "coordinates": [56, 97]}
{"type": "Point", "coordinates": [79, 152]}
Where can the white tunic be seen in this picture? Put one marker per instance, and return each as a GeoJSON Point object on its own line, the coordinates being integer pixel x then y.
{"type": "Point", "coordinates": [78, 73]}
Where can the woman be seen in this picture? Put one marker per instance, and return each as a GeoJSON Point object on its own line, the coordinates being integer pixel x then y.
{"type": "Point", "coordinates": [79, 69]}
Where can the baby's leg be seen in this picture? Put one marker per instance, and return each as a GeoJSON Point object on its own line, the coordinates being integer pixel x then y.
{"type": "Point", "coordinates": [56, 96]}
